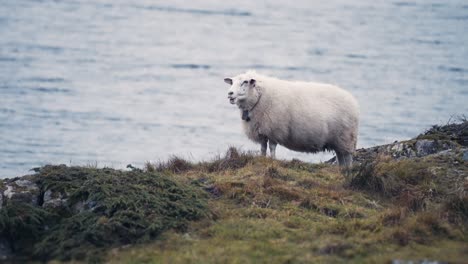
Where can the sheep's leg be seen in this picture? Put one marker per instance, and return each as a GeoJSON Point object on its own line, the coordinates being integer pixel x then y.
{"type": "Point", "coordinates": [348, 160]}
{"type": "Point", "coordinates": [340, 157]}
{"type": "Point", "coordinates": [345, 160]}
{"type": "Point", "coordinates": [264, 146]}
{"type": "Point", "coordinates": [273, 149]}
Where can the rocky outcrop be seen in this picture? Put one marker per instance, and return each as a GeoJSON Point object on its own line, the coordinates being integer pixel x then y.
{"type": "Point", "coordinates": [81, 211]}
{"type": "Point", "coordinates": [21, 189]}
{"type": "Point", "coordinates": [408, 149]}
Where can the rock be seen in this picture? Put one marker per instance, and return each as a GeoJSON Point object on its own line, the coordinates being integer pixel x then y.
{"type": "Point", "coordinates": [425, 147]}
{"type": "Point", "coordinates": [400, 150]}
{"type": "Point", "coordinates": [455, 132]}
{"type": "Point", "coordinates": [465, 155]}
{"type": "Point", "coordinates": [23, 190]}
{"type": "Point", "coordinates": [78, 207]}
{"type": "Point", "coordinates": [9, 192]}
{"type": "Point", "coordinates": [29, 185]}
{"type": "Point", "coordinates": [407, 149]}
{"type": "Point", "coordinates": [84, 206]}
{"type": "Point", "coordinates": [445, 152]}
{"type": "Point", "coordinates": [54, 199]}
{"type": "Point", "coordinates": [91, 205]}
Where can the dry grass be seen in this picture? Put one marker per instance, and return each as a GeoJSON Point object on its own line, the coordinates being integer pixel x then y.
{"type": "Point", "coordinates": [271, 211]}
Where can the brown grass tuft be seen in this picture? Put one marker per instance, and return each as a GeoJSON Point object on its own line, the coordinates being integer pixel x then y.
{"type": "Point", "coordinates": [232, 160]}
{"type": "Point", "coordinates": [284, 193]}
{"type": "Point", "coordinates": [394, 217]}
{"type": "Point", "coordinates": [458, 206]}
{"type": "Point", "coordinates": [273, 172]}
{"type": "Point", "coordinates": [409, 183]}
{"type": "Point", "coordinates": [336, 248]}
{"type": "Point", "coordinates": [174, 164]}
{"type": "Point", "coordinates": [401, 236]}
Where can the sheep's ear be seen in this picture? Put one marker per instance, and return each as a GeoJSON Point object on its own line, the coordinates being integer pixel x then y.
{"type": "Point", "coordinates": [228, 81]}
{"type": "Point", "coordinates": [252, 82]}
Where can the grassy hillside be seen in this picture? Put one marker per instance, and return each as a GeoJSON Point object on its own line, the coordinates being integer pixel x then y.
{"type": "Point", "coordinates": [268, 211]}
{"type": "Point", "coordinates": [403, 201]}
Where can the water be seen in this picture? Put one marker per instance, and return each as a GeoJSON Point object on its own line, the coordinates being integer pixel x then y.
{"type": "Point", "coordinates": [116, 82]}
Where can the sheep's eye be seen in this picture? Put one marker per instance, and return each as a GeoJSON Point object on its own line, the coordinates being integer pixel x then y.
{"type": "Point", "coordinates": [245, 82]}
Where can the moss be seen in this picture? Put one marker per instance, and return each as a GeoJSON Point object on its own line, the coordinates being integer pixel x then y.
{"type": "Point", "coordinates": [105, 208]}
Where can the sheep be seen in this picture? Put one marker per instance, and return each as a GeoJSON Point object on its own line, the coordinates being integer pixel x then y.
{"type": "Point", "coordinates": [301, 116]}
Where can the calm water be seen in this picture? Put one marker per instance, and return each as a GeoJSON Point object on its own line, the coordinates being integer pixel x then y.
{"type": "Point", "coordinates": [115, 82]}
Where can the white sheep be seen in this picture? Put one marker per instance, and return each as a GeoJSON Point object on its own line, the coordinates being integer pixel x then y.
{"type": "Point", "coordinates": [301, 116]}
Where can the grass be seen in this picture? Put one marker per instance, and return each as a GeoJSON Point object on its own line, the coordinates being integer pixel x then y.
{"type": "Point", "coordinates": [271, 211]}
{"type": "Point", "coordinates": [244, 208]}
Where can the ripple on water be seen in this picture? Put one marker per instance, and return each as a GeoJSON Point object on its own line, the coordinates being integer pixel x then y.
{"type": "Point", "coordinates": [404, 4]}
{"type": "Point", "coordinates": [51, 90]}
{"type": "Point", "coordinates": [7, 59]}
{"type": "Point", "coordinates": [170, 9]}
{"type": "Point", "coordinates": [44, 79]}
{"type": "Point", "coordinates": [452, 69]}
{"type": "Point", "coordinates": [190, 66]}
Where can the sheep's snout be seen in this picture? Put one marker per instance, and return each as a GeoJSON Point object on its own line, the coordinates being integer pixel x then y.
{"type": "Point", "coordinates": [231, 98]}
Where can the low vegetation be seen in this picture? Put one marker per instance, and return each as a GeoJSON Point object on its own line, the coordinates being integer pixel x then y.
{"type": "Point", "coordinates": [97, 209]}
{"type": "Point", "coordinates": [244, 208]}
{"type": "Point", "coordinates": [295, 212]}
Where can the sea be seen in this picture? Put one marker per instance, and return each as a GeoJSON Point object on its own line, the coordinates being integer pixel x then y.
{"type": "Point", "coordinates": [109, 83]}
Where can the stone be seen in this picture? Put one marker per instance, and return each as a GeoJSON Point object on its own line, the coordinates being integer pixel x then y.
{"type": "Point", "coordinates": [82, 206]}
{"type": "Point", "coordinates": [445, 152]}
{"type": "Point", "coordinates": [9, 192]}
{"type": "Point", "coordinates": [78, 207]}
{"type": "Point", "coordinates": [22, 190]}
{"type": "Point", "coordinates": [465, 155]}
{"type": "Point", "coordinates": [29, 185]}
{"type": "Point", "coordinates": [53, 199]}
{"type": "Point", "coordinates": [425, 147]}
{"type": "Point", "coordinates": [400, 150]}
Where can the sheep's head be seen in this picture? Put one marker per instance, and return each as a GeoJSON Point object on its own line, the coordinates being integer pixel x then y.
{"type": "Point", "coordinates": [240, 90]}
